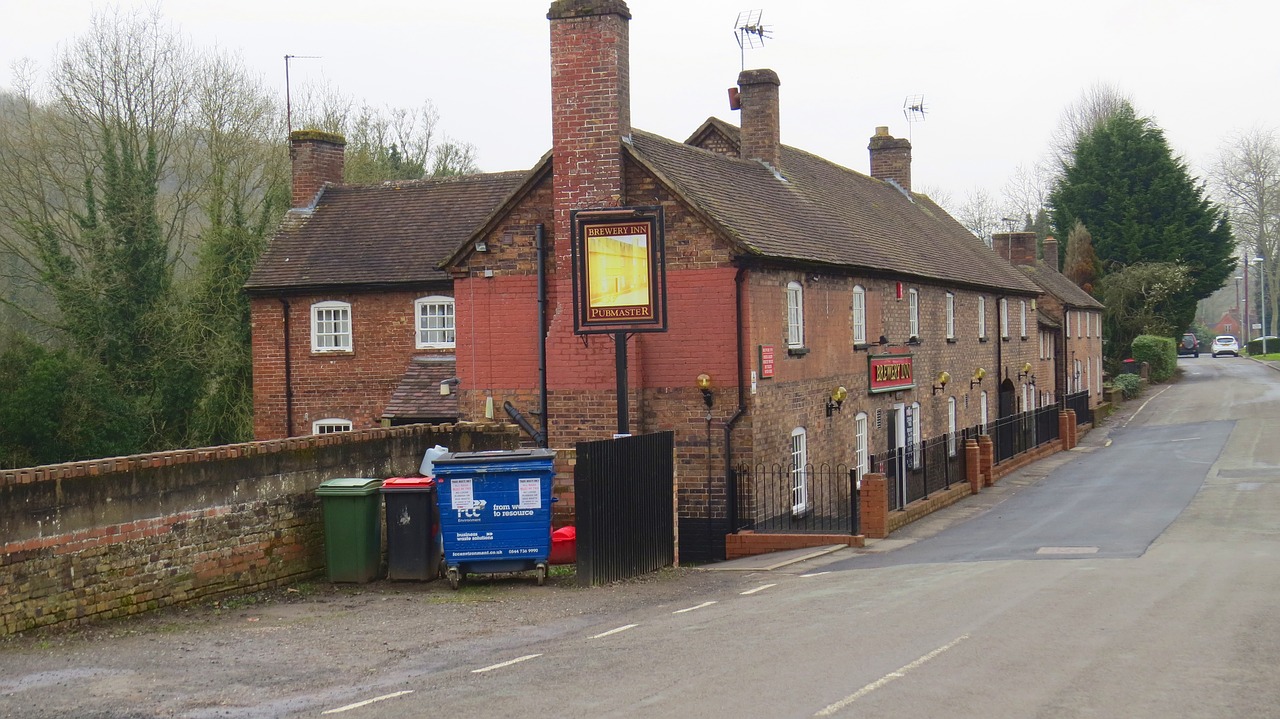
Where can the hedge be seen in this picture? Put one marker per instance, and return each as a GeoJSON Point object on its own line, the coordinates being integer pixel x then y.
{"type": "Point", "coordinates": [1160, 354]}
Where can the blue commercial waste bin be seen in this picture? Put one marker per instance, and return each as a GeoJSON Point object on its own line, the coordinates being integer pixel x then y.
{"type": "Point", "coordinates": [495, 511]}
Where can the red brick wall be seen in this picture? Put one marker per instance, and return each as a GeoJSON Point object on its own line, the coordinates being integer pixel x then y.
{"type": "Point", "coordinates": [112, 537]}
{"type": "Point", "coordinates": [890, 158]}
{"type": "Point", "coordinates": [353, 385]}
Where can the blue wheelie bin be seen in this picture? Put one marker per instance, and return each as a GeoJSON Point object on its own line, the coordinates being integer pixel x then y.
{"type": "Point", "coordinates": [495, 511]}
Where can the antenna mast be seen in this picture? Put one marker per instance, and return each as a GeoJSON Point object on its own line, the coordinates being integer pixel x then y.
{"type": "Point", "coordinates": [288, 101]}
{"type": "Point", "coordinates": [749, 33]}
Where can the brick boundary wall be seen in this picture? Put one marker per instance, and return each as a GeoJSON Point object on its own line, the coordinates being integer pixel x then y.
{"type": "Point", "coordinates": [107, 538]}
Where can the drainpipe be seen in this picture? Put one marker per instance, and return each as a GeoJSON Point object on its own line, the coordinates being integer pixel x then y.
{"type": "Point", "coordinates": [539, 235]}
{"type": "Point", "coordinates": [288, 372]}
{"type": "Point", "coordinates": [1002, 321]}
{"type": "Point", "coordinates": [730, 474]}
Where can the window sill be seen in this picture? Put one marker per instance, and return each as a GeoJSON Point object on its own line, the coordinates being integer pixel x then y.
{"type": "Point", "coordinates": [951, 340]}
{"type": "Point", "coordinates": [983, 339]}
{"type": "Point", "coordinates": [862, 347]}
{"type": "Point", "coordinates": [333, 353]}
{"type": "Point", "coordinates": [1024, 338]}
{"type": "Point", "coordinates": [913, 341]}
{"type": "Point", "coordinates": [1004, 339]}
{"type": "Point", "coordinates": [797, 351]}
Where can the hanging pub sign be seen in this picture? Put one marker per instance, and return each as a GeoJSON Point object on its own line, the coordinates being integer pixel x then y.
{"type": "Point", "coordinates": [619, 270]}
{"type": "Point", "coordinates": [890, 373]}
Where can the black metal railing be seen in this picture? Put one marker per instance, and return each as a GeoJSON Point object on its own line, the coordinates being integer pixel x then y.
{"type": "Point", "coordinates": [1080, 403]}
{"type": "Point", "coordinates": [916, 471]}
{"type": "Point", "coordinates": [623, 493]}
{"type": "Point", "coordinates": [776, 498]}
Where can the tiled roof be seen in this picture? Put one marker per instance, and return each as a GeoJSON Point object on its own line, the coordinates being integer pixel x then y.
{"type": "Point", "coordinates": [379, 235]}
{"type": "Point", "coordinates": [418, 394]}
{"type": "Point", "coordinates": [1057, 284]}
{"type": "Point", "coordinates": [825, 213]}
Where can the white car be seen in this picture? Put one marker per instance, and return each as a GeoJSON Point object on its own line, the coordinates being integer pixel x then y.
{"type": "Point", "coordinates": [1225, 345]}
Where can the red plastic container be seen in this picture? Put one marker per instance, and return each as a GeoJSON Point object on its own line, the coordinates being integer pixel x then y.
{"type": "Point", "coordinates": [564, 546]}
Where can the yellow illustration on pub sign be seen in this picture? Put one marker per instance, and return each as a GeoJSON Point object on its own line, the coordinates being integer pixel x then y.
{"type": "Point", "coordinates": [618, 272]}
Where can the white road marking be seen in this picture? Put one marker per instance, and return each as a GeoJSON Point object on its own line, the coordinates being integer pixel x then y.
{"type": "Point", "coordinates": [615, 631]}
{"type": "Point", "coordinates": [517, 660]}
{"type": "Point", "coordinates": [690, 609]}
{"type": "Point", "coordinates": [1144, 405]}
{"type": "Point", "coordinates": [832, 709]}
{"type": "Point", "coordinates": [760, 588]}
{"type": "Point", "coordinates": [367, 702]}
{"type": "Point", "coordinates": [814, 574]}
{"type": "Point", "coordinates": [1185, 439]}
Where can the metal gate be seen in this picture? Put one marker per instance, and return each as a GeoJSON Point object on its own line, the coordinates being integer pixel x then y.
{"type": "Point", "coordinates": [623, 494]}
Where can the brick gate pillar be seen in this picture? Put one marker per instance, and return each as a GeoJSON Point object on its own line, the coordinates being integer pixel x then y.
{"type": "Point", "coordinates": [987, 459]}
{"type": "Point", "coordinates": [873, 501]}
{"type": "Point", "coordinates": [1064, 429]}
{"type": "Point", "coordinates": [972, 468]}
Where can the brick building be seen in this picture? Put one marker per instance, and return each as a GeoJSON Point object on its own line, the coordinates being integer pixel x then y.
{"type": "Point", "coordinates": [827, 307]}
{"type": "Point", "coordinates": [1072, 334]}
{"type": "Point", "coordinates": [352, 319]}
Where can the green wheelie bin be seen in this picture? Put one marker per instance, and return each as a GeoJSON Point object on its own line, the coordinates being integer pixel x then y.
{"type": "Point", "coordinates": [352, 509]}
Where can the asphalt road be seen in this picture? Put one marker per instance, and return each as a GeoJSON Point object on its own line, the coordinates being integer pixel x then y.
{"type": "Point", "coordinates": [1136, 576]}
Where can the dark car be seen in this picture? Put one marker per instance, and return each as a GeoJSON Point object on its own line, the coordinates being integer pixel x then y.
{"type": "Point", "coordinates": [1189, 345]}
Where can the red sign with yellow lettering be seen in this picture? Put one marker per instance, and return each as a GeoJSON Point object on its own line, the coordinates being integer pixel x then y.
{"type": "Point", "coordinates": [890, 373]}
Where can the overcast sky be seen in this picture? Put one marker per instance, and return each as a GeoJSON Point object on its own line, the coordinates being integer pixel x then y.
{"type": "Point", "coordinates": [995, 75]}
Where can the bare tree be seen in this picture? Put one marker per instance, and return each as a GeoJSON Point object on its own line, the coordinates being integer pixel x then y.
{"type": "Point", "coordinates": [980, 215]}
{"type": "Point", "coordinates": [1247, 181]}
{"type": "Point", "coordinates": [1027, 191]}
{"type": "Point", "coordinates": [1097, 103]}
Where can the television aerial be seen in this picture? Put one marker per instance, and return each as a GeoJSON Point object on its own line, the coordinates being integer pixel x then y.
{"type": "Point", "coordinates": [749, 33]}
{"type": "Point", "coordinates": [913, 109]}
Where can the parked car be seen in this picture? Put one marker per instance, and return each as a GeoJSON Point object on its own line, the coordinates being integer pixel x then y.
{"type": "Point", "coordinates": [1225, 345]}
{"type": "Point", "coordinates": [1189, 345]}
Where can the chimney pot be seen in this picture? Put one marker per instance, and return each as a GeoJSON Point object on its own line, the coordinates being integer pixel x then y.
{"type": "Point", "coordinates": [1051, 253]}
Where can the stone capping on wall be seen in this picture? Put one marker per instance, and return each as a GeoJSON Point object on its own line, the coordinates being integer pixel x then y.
{"type": "Point", "coordinates": [133, 462]}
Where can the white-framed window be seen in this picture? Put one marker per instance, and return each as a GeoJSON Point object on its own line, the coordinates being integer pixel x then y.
{"type": "Point", "coordinates": [917, 456]}
{"type": "Point", "coordinates": [860, 456]}
{"type": "Point", "coordinates": [951, 426]}
{"type": "Point", "coordinates": [859, 315]}
{"type": "Point", "coordinates": [1025, 405]}
{"type": "Point", "coordinates": [330, 425]}
{"type": "Point", "coordinates": [913, 316]}
{"type": "Point", "coordinates": [799, 471]}
{"type": "Point", "coordinates": [1004, 318]}
{"type": "Point", "coordinates": [951, 316]}
{"type": "Point", "coordinates": [1079, 329]}
{"type": "Point", "coordinates": [1088, 324]}
{"type": "Point", "coordinates": [331, 327]}
{"type": "Point", "coordinates": [434, 320]}
{"type": "Point", "coordinates": [982, 411]}
{"type": "Point", "coordinates": [1041, 345]}
{"type": "Point", "coordinates": [795, 315]}
{"type": "Point", "coordinates": [1066, 316]}
{"type": "Point", "coordinates": [1022, 306]}
{"type": "Point", "coordinates": [982, 317]}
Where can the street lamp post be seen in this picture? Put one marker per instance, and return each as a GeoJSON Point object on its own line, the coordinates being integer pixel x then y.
{"type": "Point", "coordinates": [1262, 295]}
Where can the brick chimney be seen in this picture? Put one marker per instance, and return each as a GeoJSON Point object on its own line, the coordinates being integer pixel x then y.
{"type": "Point", "coordinates": [758, 98]}
{"type": "Point", "coordinates": [1050, 250]}
{"type": "Point", "coordinates": [1019, 248]}
{"type": "Point", "coordinates": [590, 103]}
{"type": "Point", "coordinates": [317, 158]}
{"type": "Point", "coordinates": [890, 158]}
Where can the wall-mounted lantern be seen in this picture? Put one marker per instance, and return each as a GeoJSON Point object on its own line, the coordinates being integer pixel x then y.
{"type": "Point", "coordinates": [1025, 371]}
{"type": "Point", "coordinates": [836, 400]}
{"type": "Point", "coordinates": [704, 385]}
{"type": "Point", "coordinates": [942, 380]}
{"type": "Point", "coordinates": [976, 379]}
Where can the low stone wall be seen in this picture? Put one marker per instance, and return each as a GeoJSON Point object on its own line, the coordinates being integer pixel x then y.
{"type": "Point", "coordinates": [112, 537]}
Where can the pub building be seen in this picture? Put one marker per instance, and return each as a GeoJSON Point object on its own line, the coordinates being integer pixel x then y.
{"type": "Point", "coordinates": [772, 308]}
